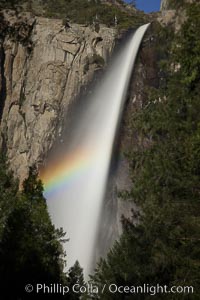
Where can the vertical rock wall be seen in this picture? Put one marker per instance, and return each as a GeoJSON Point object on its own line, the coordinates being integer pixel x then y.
{"type": "Point", "coordinates": [43, 65]}
{"type": "Point", "coordinates": [171, 4]}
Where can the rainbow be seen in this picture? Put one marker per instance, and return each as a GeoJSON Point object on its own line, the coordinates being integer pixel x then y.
{"type": "Point", "coordinates": [66, 170]}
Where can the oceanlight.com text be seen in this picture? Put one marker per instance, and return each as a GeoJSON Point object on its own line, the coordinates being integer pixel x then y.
{"type": "Point", "coordinates": [152, 290]}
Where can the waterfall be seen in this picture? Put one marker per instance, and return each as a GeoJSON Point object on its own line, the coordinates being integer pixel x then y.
{"type": "Point", "coordinates": [75, 180]}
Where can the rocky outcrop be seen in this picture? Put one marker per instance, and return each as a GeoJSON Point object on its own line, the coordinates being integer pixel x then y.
{"type": "Point", "coordinates": [173, 13]}
{"type": "Point", "coordinates": [168, 17]}
{"type": "Point", "coordinates": [164, 4]}
{"type": "Point", "coordinates": [44, 63]}
{"type": "Point", "coordinates": [171, 4]}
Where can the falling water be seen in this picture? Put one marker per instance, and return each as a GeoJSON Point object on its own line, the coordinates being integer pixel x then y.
{"type": "Point", "coordinates": [75, 182]}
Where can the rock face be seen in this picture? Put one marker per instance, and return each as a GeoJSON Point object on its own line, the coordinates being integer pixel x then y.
{"type": "Point", "coordinates": [169, 4]}
{"type": "Point", "coordinates": [173, 13]}
{"type": "Point", "coordinates": [43, 65]}
{"type": "Point", "coordinates": [164, 4]}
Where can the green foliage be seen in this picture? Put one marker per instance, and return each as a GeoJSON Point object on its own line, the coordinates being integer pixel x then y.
{"type": "Point", "coordinates": [81, 11]}
{"type": "Point", "coordinates": [10, 3]}
{"type": "Point", "coordinates": [75, 276]}
{"type": "Point", "coordinates": [174, 4]}
{"type": "Point", "coordinates": [187, 43]}
{"type": "Point", "coordinates": [30, 246]}
{"type": "Point", "coordinates": [163, 247]}
{"type": "Point", "coordinates": [8, 191]}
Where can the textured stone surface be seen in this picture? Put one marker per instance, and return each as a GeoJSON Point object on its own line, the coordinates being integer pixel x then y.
{"type": "Point", "coordinates": [43, 66]}
{"type": "Point", "coordinates": [166, 4]}
{"type": "Point", "coordinates": [173, 17]}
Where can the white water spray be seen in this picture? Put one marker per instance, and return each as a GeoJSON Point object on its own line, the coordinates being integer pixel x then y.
{"type": "Point", "coordinates": [77, 205]}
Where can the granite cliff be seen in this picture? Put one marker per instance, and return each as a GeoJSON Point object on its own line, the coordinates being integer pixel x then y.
{"type": "Point", "coordinates": [171, 4]}
{"type": "Point", "coordinates": [43, 65]}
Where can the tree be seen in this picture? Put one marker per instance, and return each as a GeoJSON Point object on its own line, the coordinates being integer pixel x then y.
{"type": "Point", "coordinates": [8, 192]}
{"type": "Point", "coordinates": [75, 276]}
{"type": "Point", "coordinates": [30, 248]}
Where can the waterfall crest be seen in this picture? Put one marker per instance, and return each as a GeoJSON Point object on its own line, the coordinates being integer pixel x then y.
{"type": "Point", "coordinates": [75, 182]}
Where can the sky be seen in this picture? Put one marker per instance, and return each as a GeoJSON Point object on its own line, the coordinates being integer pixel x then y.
{"type": "Point", "coordinates": [147, 5]}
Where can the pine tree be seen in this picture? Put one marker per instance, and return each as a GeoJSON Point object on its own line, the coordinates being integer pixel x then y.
{"type": "Point", "coordinates": [30, 248]}
{"type": "Point", "coordinates": [75, 277]}
{"type": "Point", "coordinates": [8, 192]}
